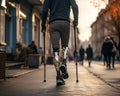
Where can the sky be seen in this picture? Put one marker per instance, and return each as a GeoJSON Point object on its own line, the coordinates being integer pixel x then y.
{"type": "Point", "coordinates": [87, 15]}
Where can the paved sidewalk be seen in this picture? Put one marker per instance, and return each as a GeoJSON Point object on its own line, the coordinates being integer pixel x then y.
{"type": "Point", "coordinates": [111, 77]}
{"type": "Point", "coordinates": [32, 84]}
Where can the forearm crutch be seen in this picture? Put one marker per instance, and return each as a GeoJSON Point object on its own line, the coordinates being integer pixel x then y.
{"type": "Point", "coordinates": [76, 58]}
{"type": "Point", "coordinates": [44, 57]}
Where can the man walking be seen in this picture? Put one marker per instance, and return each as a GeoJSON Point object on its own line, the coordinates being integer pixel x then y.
{"type": "Point", "coordinates": [89, 52]}
{"type": "Point", "coordinates": [81, 54]}
{"type": "Point", "coordinates": [59, 20]}
{"type": "Point", "coordinates": [106, 50]}
{"type": "Point", "coordinates": [114, 51]}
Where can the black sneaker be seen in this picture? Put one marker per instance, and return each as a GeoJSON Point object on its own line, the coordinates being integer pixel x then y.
{"type": "Point", "coordinates": [59, 81]}
{"type": "Point", "coordinates": [64, 71]}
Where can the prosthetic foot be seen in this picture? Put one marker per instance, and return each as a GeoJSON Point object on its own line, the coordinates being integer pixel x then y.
{"type": "Point", "coordinates": [59, 80]}
{"type": "Point", "coordinates": [63, 66]}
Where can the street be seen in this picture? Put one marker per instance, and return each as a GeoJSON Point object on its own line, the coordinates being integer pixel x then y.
{"type": "Point", "coordinates": [32, 84]}
{"type": "Point", "coordinates": [36, 31]}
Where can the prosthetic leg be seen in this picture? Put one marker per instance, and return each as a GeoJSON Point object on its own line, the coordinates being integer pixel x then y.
{"type": "Point", "coordinates": [63, 66]}
{"type": "Point", "coordinates": [56, 60]}
{"type": "Point", "coordinates": [59, 78]}
{"type": "Point", "coordinates": [64, 54]}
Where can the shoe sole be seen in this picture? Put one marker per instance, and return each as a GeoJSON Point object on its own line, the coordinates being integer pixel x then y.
{"type": "Point", "coordinates": [60, 83]}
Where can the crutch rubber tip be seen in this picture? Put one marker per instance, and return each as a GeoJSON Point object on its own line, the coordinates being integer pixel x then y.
{"type": "Point", "coordinates": [77, 80]}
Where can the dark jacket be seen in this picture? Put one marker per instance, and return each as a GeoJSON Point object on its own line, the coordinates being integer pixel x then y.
{"type": "Point", "coordinates": [59, 10]}
{"type": "Point", "coordinates": [107, 48]}
{"type": "Point", "coordinates": [89, 53]}
{"type": "Point", "coordinates": [81, 52]}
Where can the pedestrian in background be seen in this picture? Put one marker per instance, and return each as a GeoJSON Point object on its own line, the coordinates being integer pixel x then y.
{"type": "Point", "coordinates": [89, 52]}
{"type": "Point", "coordinates": [81, 54]}
{"type": "Point", "coordinates": [114, 50]}
{"type": "Point", "coordinates": [33, 47]}
{"type": "Point", "coordinates": [59, 20]}
{"type": "Point", "coordinates": [106, 50]}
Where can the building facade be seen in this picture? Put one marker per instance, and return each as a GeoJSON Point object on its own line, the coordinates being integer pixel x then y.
{"type": "Point", "coordinates": [20, 23]}
{"type": "Point", "coordinates": [102, 28]}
